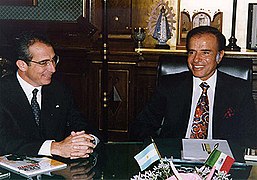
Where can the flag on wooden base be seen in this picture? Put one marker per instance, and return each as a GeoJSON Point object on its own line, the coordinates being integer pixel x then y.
{"type": "Point", "coordinates": [148, 156]}
{"type": "Point", "coordinates": [221, 161]}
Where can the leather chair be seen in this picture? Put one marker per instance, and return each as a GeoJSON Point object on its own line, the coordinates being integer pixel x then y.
{"type": "Point", "coordinates": [172, 64]}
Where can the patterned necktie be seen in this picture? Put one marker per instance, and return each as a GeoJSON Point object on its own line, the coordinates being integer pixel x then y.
{"type": "Point", "coordinates": [35, 106]}
{"type": "Point", "coordinates": [201, 118]}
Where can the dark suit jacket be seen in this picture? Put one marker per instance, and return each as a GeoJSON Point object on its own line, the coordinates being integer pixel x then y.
{"type": "Point", "coordinates": [233, 116]}
{"type": "Point", "coordinates": [19, 133]}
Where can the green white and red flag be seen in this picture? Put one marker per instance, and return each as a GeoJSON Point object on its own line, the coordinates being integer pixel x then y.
{"type": "Point", "coordinates": [221, 161]}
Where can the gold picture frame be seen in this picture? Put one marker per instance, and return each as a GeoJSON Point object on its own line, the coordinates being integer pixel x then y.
{"type": "Point", "coordinates": [142, 11]}
{"type": "Point", "coordinates": [200, 18]}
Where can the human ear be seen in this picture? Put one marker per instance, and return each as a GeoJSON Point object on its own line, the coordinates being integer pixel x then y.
{"type": "Point", "coordinates": [219, 56]}
{"type": "Point", "coordinates": [22, 65]}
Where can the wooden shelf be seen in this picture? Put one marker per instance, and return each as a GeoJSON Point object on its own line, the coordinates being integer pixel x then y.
{"type": "Point", "coordinates": [242, 54]}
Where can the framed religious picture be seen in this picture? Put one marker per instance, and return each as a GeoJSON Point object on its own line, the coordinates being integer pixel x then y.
{"type": "Point", "coordinates": [18, 2]}
{"type": "Point", "coordinates": [217, 20]}
{"type": "Point", "coordinates": [162, 23]}
{"type": "Point", "coordinates": [201, 19]}
{"type": "Point", "coordinates": [185, 26]}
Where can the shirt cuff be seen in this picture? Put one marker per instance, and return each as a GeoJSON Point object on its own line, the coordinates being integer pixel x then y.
{"type": "Point", "coordinates": [45, 149]}
{"type": "Point", "coordinates": [96, 140]}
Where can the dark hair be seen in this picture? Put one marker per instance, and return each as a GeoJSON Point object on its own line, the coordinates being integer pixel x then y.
{"type": "Point", "coordinates": [27, 39]}
{"type": "Point", "coordinates": [207, 30]}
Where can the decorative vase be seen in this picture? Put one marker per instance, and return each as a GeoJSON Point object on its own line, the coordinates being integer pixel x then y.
{"type": "Point", "coordinates": [139, 36]}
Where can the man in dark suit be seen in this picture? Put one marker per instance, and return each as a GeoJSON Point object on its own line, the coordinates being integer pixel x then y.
{"type": "Point", "coordinates": [54, 127]}
{"type": "Point", "coordinates": [171, 113]}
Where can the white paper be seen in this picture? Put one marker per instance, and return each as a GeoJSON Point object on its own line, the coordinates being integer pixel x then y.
{"type": "Point", "coordinates": [193, 149]}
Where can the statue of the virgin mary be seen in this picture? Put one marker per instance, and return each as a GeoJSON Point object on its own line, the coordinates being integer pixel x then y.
{"type": "Point", "coordinates": [162, 31]}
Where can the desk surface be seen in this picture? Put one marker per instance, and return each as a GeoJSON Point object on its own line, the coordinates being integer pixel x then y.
{"type": "Point", "coordinates": [116, 161]}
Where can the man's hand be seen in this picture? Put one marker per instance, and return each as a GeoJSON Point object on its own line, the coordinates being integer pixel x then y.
{"type": "Point", "coordinates": [82, 145]}
{"type": "Point", "coordinates": [62, 148]}
{"type": "Point", "coordinates": [77, 145]}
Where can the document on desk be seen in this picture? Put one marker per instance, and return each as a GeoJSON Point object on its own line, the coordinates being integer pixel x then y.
{"type": "Point", "coordinates": [199, 149]}
{"type": "Point", "coordinates": [30, 166]}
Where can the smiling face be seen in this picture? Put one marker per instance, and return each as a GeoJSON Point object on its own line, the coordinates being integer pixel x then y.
{"type": "Point", "coordinates": [34, 73]}
{"type": "Point", "coordinates": [203, 55]}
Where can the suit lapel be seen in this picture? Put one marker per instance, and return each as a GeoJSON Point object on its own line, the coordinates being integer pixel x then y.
{"type": "Point", "coordinates": [17, 98]}
{"type": "Point", "coordinates": [186, 98]}
{"type": "Point", "coordinates": [220, 102]}
{"type": "Point", "coordinates": [47, 103]}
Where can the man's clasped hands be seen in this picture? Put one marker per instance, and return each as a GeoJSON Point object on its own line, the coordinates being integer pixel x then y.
{"type": "Point", "coordinates": [77, 145]}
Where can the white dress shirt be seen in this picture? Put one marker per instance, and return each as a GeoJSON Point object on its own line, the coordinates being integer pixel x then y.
{"type": "Point", "coordinates": [197, 90]}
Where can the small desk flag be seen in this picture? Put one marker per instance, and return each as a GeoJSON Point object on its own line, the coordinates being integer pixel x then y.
{"type": "Point", "coordinates": [221, 161]}
{"type": "Point", "coordinates": [148, 156]}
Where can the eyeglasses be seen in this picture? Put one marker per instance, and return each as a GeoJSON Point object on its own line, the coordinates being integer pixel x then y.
{"type": "Point", "coordinates": [47, 62]}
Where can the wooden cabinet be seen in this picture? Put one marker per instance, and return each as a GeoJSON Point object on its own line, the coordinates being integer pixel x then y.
{"type": "Point", "coordinates": [145, 78]}
{"type": "Point", "coordinates": [73, 70]}
{"type": "Point", "coordinates": [119, 16]}
{"type": "Point", "coordinates": [131, 82]}
{"type": "Point", "coordinates": [119, 98]}
{"type": "Point", "coordinates": [120, 95]}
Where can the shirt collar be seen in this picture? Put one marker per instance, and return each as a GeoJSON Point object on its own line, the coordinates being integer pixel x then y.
{"type": "Point", "coordinates": [211, 81]}
{"type": "Point", "coordinates": [27, 88]}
